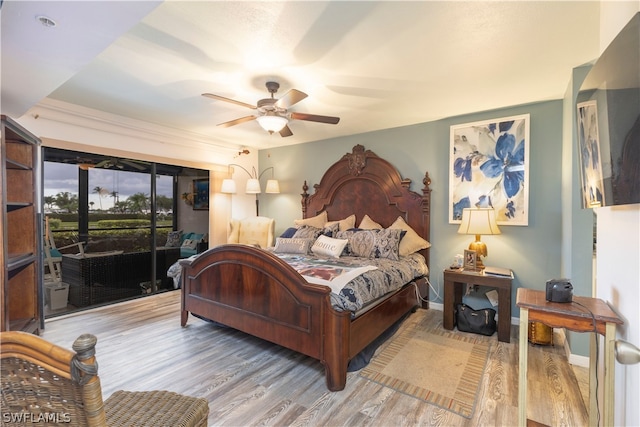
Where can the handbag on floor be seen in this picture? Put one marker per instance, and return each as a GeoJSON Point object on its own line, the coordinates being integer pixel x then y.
{"type": "Point", "coordinates": [477, 321]}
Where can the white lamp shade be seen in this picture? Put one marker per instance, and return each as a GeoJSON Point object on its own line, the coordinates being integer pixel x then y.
{"type": "Point", "coordinates": [272, 123]}
{"type": "Point", "coordinates": [253, 186]}
{"type": "Point", "coordinates": [228, 186]}
{"type": "Point", "coordinates": [478, 221]}
{"type": "Point", "coordinates": [273, 187]}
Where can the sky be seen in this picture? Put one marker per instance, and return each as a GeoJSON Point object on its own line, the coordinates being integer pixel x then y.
{"type": "Point", "coordinates": [61, 177]}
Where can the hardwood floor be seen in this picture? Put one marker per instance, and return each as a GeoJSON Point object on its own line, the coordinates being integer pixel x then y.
{"type": "Point", "coordinates": [141, 346]}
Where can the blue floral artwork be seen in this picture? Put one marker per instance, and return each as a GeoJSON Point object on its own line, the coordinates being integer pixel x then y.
{"type": "Point", "coordinates": [489, 168]}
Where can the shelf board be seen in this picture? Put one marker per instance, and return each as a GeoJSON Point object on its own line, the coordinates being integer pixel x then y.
{"type": "Point", "coordinates": [13, 206]}
{"type": "Point", "coordinates": [16, 261]}
{"type": "Point", "coordinates": [29, 325]}
{"type": "Point", "coordinates": [12, 164]}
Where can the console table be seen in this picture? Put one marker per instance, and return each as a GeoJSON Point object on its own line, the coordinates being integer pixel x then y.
{"type": "Point", "coordinates": [584, 314]}
{"type": "Point", "coordinates": [453, 284]}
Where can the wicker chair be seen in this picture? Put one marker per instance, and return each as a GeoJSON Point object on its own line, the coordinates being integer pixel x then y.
{"type": "Point", "coordinates": [42, 382]}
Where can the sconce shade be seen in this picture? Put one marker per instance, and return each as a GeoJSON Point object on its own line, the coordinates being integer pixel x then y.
{"type": "Point", "coordinates": [253, 186]}
{"type": "Point", "coordinates": [627, 353]}
{"type": "Point", "coordinates": [228, 186]}
{"type": "Point", "coordinates": [273, 187]}
{"type": "Point", "coordinates": [272, 123]}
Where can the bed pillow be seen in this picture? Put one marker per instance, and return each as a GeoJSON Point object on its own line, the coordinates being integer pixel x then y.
{"type": "Point", "coordinates": [383, 243]}
{"type": "Point", "coordinates": [307, 232]}
{"type": "Point", "coordinates": [173, 239]}
{"type": "Point", "coordinates": [328, 246]}
{"type": "Point", "coordinates": [368, 224]}
{"type": "Point", "coordinates": [289, 232]}
{"type": "Point", "coordinates": [411, 242]}
{"type": "Point", "coordinates": [344, 224]}
{"type": "Point", "coordinates": [317, 221]}
{"type": "Point", "coordinates": [292, 246]}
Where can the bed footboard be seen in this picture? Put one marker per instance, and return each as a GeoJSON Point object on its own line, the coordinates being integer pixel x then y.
{"type": "Point", "coordinates": [254, 291]}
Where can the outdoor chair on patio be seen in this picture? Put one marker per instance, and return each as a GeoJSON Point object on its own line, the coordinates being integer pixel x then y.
{"type": "Point", "coordinates": [53, 254]}
{"type": "Point", "coordinates": [47, 383]}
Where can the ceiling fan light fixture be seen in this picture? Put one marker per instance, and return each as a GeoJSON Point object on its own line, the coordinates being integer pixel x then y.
{"type": "Point", "coordinates": [272, 122]}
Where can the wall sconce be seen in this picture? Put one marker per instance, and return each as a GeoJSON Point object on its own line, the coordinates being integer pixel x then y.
{"type": "Point", "coordinates": [478, 221]}
{"type": "Point", "coordinates": [627, 353]}
{"type": "Point", "coordinates": [253, 184]}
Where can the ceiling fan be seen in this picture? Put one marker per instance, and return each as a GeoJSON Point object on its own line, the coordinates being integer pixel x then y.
{"type": "Point", "coordinates": [121, 164]}
{"type": "Point", "coordinates": [272, 112]}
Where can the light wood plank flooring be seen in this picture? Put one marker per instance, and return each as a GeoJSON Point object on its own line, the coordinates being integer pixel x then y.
{"type": "Point", "coordinates": [141, 346]}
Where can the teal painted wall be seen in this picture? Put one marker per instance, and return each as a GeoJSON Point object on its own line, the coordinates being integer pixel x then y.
{"type": "Point", "coordinates": [533, 252]}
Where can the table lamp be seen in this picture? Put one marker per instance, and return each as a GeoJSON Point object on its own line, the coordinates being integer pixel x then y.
{"type": "Point", "coordinates": [478, 221]}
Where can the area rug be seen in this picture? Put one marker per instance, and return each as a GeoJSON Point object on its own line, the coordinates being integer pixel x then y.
{"type": "Point", "coordinates": [443, 368]}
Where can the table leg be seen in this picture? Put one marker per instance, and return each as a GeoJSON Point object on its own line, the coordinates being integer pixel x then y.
{"type": "Point", "coordinates": [523, 347]}
{"type": "Point", "coordinates": [448, 308]}
{"type": "Point", "coordinates": [504, 318]}
{"type": "Point", "coordinates": [593, 384]}
{"type": "Point", "coordinates": [609, 373]}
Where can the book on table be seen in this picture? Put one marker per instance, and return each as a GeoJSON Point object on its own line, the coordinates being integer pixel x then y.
{"type": "Point", "coordinates": [497, 271]}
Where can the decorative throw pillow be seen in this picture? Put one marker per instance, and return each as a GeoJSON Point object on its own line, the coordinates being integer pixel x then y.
{"type": "Point", "coordinates": [307, 232]}
{"type": "Point", "coordinates": [189, 243]}
{"type": "Point", "coordinates": [328, 246]}
{"type": "Point", "coordinates": [344, 224]}
{"type": "Point", "coordinates": [331, 230]}
{"type": "Point", "coordinates": [317, 221]}
{"type": "Point", "coordinates": [411, 242]}
{"type": "Point", "coordinates": [292, 246]}
{"type": "Point", "coordinates": [368, 224]}
{"type": "Point", "coordinates": [376, 243]}
{"type": "Point", "coordinates": [289, 232]}
{"type": "Point", "coordinates": [173, 239]}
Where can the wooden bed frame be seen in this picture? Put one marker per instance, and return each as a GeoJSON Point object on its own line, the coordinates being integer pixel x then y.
{"type": "Point", "coordinates": [254, 291]}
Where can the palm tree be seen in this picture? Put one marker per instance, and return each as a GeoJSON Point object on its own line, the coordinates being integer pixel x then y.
{"type": "Point", "coordinates": [139, 202]}
{"type": "Point", "coordinates": [101, 193]}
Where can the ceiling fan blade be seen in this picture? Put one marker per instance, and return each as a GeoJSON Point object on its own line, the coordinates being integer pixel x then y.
{"type": "Point", "coordinates": [285, 131]}
{"type": "Point", "coordinates": [104, 163]}
{"type": "Point", "coordinates": [134, 164]}
{"type": "Point", "coordinates": [315, 118]}
{"type": "Point", "coordinates": [233, 101]}
{"type": "Point", "coordinates": [290, 98]}
{"type": "Point", "coordinates": [236, 121]}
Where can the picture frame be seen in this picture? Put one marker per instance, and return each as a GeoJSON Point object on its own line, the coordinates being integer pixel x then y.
{"type": "Point", "coordinates": [591, 176]}
{"type": "Point", "coordinates": [470, 260]}
{"type": "Point", "coordinates": [489, 168]}
{"type": "Point", "coordinates": [201, 194]}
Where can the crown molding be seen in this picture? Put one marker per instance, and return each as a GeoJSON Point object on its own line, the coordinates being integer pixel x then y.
{"type": "Point", "coordinates": [96, 120]}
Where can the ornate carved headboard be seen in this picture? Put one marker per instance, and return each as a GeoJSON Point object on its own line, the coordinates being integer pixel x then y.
{"type": "Point", "coordinates": [362, 183]}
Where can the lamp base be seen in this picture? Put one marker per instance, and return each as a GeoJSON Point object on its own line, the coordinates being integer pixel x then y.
{"type": "Point", "coordinates": [480, 249]}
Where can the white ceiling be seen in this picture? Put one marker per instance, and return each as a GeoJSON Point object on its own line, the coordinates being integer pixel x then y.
{"type": "Point", "coordinates": [376, 65]}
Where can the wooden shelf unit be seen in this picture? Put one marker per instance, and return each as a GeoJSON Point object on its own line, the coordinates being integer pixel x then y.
{"type": "Point", "coordinates": [21, 272]}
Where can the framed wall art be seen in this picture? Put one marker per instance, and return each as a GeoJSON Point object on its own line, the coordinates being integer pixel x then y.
{"type": "Point", "coordinates": [589, 151]}
{"type": "Point", "coordinates": [201, 194]}
{"type": "Point", "coordinates": [489, 167]}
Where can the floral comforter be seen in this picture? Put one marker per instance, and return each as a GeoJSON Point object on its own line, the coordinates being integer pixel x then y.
{"type": "Point", "coordinates": [367, 286]}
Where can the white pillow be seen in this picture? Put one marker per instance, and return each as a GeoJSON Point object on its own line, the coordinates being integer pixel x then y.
{"type": "Point", "coordinates": [317, 221]}
{"type": "Point", "coordinates": [345, 224]}
{"type": "Point", "coordinates": [368, 224]}
{"type": "Point", "coordinates": [328, 246]}
{"type": "Point", "coordinates": [411, 242]}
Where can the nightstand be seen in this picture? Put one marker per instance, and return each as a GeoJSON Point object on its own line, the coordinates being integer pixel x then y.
{"type": "Point", "coordinates": [454, 281]}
